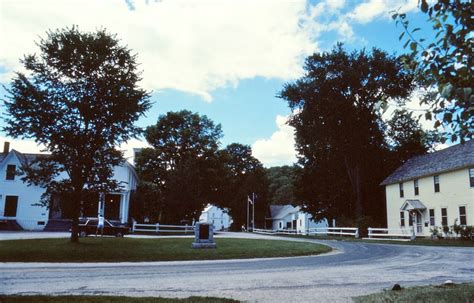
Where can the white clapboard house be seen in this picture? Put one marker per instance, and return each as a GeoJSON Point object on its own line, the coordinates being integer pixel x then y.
{"type": "Point", "coordinates": [19, 203]}
{"type": "Point", "coordinates": [289, 217]}
{"type": "Point", "coordinates": [216, 216]}
{"type": "Point", "coordinates": [432, 190]}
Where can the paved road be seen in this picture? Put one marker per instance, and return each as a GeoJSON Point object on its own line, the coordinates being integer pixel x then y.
{"type": "Point", "coordinates": [354, 269]}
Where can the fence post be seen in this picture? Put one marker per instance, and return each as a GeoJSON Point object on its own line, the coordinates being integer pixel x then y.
{"type": "Point", "coordinates": [157, 227]}
{"type": "Point", "coordinates": [370, 232]}
{"type": "Point", "coordinates": [133, 226]}
{"type": "Point", "coordinates": [356, 235]}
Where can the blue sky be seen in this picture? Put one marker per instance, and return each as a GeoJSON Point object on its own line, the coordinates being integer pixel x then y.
{"type": "Point", "coordinates": [224, 59]}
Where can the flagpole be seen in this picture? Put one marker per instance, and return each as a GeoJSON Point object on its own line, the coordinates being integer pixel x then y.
{"type": "Point", "coordinates": [253, 211]}
{"type": "Point", "coordinates": [247, 213]}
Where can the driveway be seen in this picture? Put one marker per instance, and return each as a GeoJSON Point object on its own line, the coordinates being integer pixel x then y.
{"type": "Point", "coordinates": [355, 268]}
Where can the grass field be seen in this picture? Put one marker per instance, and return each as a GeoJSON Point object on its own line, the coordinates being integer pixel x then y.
{"type": "Point", "coordinates": [438, 294]}
{"type": "Point", "coordinates": [107, 299]}
{"type": "Point", "coordinates": [93, 249]}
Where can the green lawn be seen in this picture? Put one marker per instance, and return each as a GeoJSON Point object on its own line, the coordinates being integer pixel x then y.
{"type": "Point", "coordinates": [107, 299]}
{"type": "Point", "coordinates": [93, 249]}
{"type": "Point", "coordinates": [438, 294]}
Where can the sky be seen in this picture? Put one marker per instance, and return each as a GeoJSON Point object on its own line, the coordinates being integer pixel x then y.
{"type": "Point", "coordinates": [227, 59]}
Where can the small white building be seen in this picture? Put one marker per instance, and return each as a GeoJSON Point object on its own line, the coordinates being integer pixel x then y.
{"type": "Point", "coordinates": [21, 203]}
{"type": "Point", "coordinates": [432, 190]}
{"type": "Point", "coordinates": [216, 216]}
{"type": "Point", "coordinates": [289, 217]}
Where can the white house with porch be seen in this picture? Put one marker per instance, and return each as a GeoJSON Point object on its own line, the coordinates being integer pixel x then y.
{"type": "Point", "coordinates": [216, 216]}
{"type": "Point", "coordinates": [19, 202]}
{"type": "Point", "coordinates": [289, 217]}
{"type": "Point", "coordinates": [432, 190]}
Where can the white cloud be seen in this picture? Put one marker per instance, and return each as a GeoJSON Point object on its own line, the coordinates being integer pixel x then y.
{"type": "Point", "coordinates": [372, 9]}
{"type": "Point", "coordinates": [191, 46]}
{"type": "Point", "coordinates": [279, 149]}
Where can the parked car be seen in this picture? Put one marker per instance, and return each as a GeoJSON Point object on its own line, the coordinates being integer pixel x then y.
{"type": "Point", "coordinates": [89, 227]}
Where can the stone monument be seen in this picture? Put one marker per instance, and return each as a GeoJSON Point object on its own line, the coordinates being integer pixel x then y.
{"type": "Point", "coordinates": [203, 236]}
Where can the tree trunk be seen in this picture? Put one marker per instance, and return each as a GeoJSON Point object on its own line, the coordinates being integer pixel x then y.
{"type": "Point", "coordinates": [76, 205]}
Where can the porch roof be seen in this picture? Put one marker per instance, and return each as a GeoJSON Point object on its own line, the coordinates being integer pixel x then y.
{"type": "Point", "coordinates": [412, 205]}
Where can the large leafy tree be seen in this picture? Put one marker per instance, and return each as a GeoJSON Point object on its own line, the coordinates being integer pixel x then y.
{"type": "Point", "coordinates": [445, 63]}
{"type": "Point", "coordinates": [339, 131]}
{"type": "Point", "coordinates": [407, 138]}
{"type": "Point", "coordinates": [79, 98]}
{"type": "Point", "coordinates": [281, 184]}
{"type": "Point", "coordinates": [244, 176]}
{"type": "Point", "coordinates": [181, 170]}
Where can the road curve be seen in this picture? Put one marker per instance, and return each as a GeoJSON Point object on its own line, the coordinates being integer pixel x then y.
{"type": "Point", "coordinates": [355, 268]}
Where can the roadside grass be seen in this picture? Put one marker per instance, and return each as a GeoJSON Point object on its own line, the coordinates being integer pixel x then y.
{"type": "Point", "coordinates": [108, 299]}
{"type": "Point", "coordinates": [109, 249]}
{"type": "Point", "coordinates": [439, 294]}
{"type": "Point", "coordinates": [418, 241]}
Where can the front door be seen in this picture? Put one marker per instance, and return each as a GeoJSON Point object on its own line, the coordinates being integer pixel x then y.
{"type": "Point", "coordinates": [419, 222]}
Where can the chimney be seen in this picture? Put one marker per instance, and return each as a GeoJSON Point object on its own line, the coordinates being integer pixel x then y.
{"type": "Point", "coordinates": [6, 147]}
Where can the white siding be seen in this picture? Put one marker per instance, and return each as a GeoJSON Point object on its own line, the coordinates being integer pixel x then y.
{"type": "Point", "coordinates": [455, 191]}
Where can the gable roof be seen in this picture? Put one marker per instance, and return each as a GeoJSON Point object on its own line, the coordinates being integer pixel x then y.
{"type": "Point", "coordinates": [412, 205]}
{"type": "Point", "coordinates": [281, 211]}
{"type": "Point", "coordinates": [449, 159]}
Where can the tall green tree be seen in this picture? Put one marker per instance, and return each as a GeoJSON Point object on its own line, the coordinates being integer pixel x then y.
{"type": "Point", "coordinates": [281, 184]}
{"type": "Point", "coordinates": [244, 176]}
{"type": "Point", "coordinates": [407, 138]}
{"type": "Point", "coordinates": [79, 98]}
{"type": "Point", "coordinates": [181, 169]}
{"type": "Point", "coordinates": [445, 63]}
{"type": "Point", "coordinates": [339, 131]}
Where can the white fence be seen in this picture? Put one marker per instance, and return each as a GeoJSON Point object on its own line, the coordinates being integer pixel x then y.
{"type": "Point", "coordinates": [340, 231]}
{"type": "Point", "coordinates": [162, 228]}
{"type": "Point", "coordinates": [390, 234]}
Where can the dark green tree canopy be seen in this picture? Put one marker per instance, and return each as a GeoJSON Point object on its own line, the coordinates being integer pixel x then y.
{"type": "Point", "coordinates": [181, 168]}
{"type": "Point", "coordinates": [243, 176]}
{"type": "Point", "coordinates": [281, 184]}
{"type": "Point", "coordinates": [80, 98]}
{"type": "Point", "coordinates": [445, 63]}
{"type": "Point", "coordinates": [339, 130]}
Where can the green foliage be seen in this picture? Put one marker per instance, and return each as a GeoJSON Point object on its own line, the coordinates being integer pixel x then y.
{"type": "Point", "coordinates": [244, 176]}
{"type": "Point", "coordinates": [445, 63]}
{"type": "Point", "coordinates": [181, 171]}
{"type": "Point", "coordinates": [281, 184]}
{"type": "Point", "coordinates": [339, 131]}
{"type": "Point", "coordinates": [80, 99]}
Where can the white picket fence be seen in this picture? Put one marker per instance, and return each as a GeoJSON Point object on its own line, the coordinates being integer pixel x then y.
{"type": "Point", "coordinates": [390, 234]}
{"type": "Point", "coordinates": [340, 231]}
{"type": "Point", "coordinates": [162, 228]}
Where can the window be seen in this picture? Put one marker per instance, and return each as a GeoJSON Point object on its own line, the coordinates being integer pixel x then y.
{"type": "Point", "coordinates": [471, 176]}
{"type": "Point", "coordinates": [11, 169]}
{"type": "Point", "coordinates": [402, 218]}
{"type": "Point", "coordinates": [11, 204]}
{"type": "Point", "coordinates": [400, 186]}
{"type": "Point", "coordinates": [462, 215]}
{"type": "Point", "coordinates": [280, 225]}
{"type": "Point", "coordinates": [432, 217]}
{"type": "Point", "coordinates": [444, 216]}
{"type": "Point", "coordinates": [436, 183]}
{"type": "Point", "coordinates": [417, 189]}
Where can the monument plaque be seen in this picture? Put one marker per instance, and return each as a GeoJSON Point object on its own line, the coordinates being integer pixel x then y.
{"type": "Point", "coordinates": [204, 236]}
